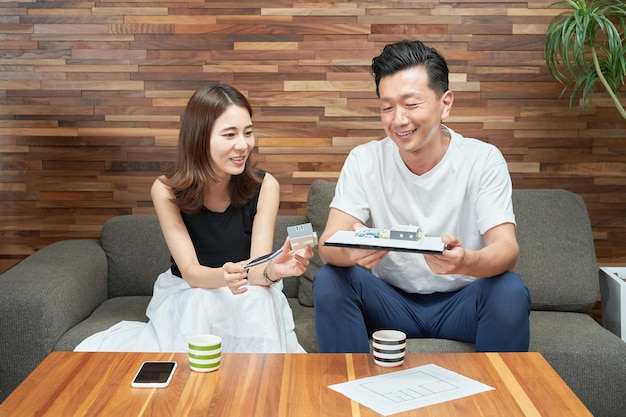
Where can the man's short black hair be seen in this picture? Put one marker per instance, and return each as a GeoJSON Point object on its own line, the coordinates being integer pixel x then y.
{"type": "Point", "coordinates": [405, 54]}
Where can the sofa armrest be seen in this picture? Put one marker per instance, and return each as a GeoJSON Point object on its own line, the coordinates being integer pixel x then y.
{"type": "Point", "coordinates": [41, 298]}
{"type": "Point", "coordinates": [557, 254]}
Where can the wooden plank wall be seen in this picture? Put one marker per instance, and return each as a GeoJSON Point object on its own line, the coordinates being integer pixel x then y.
{"type": "Point", "coordinates": [91, 93]}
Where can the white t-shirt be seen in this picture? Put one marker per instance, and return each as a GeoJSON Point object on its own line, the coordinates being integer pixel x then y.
{"type": "Point", "coordinates": [465, 195]}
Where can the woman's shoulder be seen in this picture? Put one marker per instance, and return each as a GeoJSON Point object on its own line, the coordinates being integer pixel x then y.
{"type": "Point", "coordinates": [269, 185]}
{"type": "Point", "coordinates": [267, 177]}
{"type": "Point", "coordinates": [160, 184]}
{"type": "Point", "coordinates": [160, 190]}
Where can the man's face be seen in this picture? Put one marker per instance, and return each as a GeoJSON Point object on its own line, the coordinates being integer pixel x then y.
{"type": "Point", "coordinates": [410, 111]}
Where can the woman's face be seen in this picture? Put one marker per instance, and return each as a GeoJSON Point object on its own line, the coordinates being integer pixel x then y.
{"type": "Point", "coordinates": [231, 142]}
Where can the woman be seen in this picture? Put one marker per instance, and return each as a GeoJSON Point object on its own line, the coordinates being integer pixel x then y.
{"type": "Point", "coordinates": [216, 212]}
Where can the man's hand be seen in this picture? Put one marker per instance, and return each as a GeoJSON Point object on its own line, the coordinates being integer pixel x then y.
{"type": "Point", "coordinates": [451, 261]}
{"type": "Point", "coordinates": [367, 258]}
{"type": "Point", "coordinates": [499, 255]}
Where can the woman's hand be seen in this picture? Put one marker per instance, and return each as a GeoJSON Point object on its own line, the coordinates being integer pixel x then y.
{"type": "Point", "coordinates": [236, 277]}
{"type": "Point", "coordinates": [289, 263]}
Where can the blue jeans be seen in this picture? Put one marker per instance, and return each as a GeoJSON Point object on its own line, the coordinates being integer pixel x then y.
{"type": "Point", "coordinates": [351, 303]}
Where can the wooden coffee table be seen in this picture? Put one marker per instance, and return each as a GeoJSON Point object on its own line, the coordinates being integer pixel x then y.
{"type": "Point", "coordinates": [69, 384]}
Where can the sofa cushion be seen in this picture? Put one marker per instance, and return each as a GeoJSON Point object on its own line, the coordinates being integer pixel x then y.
{"type": "Point", "coordinates": [585, 355]}
{"type": "Point", "coordinates": [303, 318]}
{"type": "Point", "coordinates": [136, 254]}
{"type": "Point", "coordinates": [317, 206]}
{"type": "Point", "coordinates": [423, 345]}
{"type": "Point", "coordinates": [112, 311]}
{"type": "Point", "coordinates": [557, 257]}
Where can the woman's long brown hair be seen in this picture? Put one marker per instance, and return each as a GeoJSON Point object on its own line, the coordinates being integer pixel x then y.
{"type": "Point", "coordinates": [193, 169]}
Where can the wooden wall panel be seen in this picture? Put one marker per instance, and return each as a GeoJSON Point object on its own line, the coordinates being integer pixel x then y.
{"type": "Point", "coordinates": [91, 94]}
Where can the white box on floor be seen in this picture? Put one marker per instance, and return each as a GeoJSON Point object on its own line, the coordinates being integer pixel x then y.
{"type": "Point", "coordinates": [613, 299]}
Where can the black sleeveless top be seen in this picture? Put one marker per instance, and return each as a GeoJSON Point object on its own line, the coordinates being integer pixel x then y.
{"type": "Point", "coordinates": [221, 237]}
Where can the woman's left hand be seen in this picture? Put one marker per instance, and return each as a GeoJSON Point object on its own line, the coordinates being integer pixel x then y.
{"type": "Point", "coordinates": [290, 263]}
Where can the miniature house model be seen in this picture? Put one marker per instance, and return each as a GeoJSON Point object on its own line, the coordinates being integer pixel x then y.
{"type": "Point", "coordinates": [403, 232]}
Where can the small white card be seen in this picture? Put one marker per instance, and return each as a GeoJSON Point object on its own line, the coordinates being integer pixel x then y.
{"type": "Point", "coordinates": [302, 235]}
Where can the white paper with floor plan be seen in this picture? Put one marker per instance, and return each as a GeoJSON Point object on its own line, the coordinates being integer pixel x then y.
{"type": "Point", "coordinates": [409, 389]}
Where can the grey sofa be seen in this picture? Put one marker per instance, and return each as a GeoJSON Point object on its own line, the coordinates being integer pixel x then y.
{"type": "Point", "coordinates": [68, 290]}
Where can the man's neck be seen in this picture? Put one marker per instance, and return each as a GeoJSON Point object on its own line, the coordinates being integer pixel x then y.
{"type": "Point", "coordinates": [423, 160]}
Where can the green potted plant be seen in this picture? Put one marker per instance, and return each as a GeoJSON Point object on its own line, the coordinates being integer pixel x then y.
{"type": "Point", "coordinates": [586, 43]}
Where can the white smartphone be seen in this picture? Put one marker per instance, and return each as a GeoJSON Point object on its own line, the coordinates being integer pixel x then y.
{"type": "Point", "coordinates": [154, 374]}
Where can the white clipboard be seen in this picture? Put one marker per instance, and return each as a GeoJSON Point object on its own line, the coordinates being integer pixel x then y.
{"type": "Point", "coordinates": [348, 239]}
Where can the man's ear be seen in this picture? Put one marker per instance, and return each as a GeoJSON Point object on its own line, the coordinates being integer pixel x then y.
{"type": "Point", "coordinates": [446, 104]}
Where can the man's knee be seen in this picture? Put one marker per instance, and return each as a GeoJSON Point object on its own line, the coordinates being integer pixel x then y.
{"type": "Point", "coordinates": [514, 289]}
{"type": "Point", "coordinates": [505, 294]}
{"type": "Point", "coordinates": [329, 284]}
{"type": "Point", "coordinates": [504, 314]}
{"type": "Point", "coordinates": [508, 285]}
{"type": "Point", "coordinates": [323, 278]}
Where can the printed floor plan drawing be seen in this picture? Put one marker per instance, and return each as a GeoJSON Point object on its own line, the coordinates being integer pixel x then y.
{"type": "Point", "coordinates": [408, 389]}
{"type": "Point", "coordinates": [409, 386]}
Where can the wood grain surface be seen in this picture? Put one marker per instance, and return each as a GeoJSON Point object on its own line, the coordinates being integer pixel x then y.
{"type": "Point", "coordinates": [72, 384]}
{"type": "Point", "coordinates": [91, 94]}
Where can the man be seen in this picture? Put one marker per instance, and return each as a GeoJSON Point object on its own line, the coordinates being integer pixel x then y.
{"type": "Point", "coordinates": [424, 174]}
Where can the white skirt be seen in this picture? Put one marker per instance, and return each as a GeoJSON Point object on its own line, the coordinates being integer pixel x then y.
{"type": "Point", "coordinates": [257, 321]}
